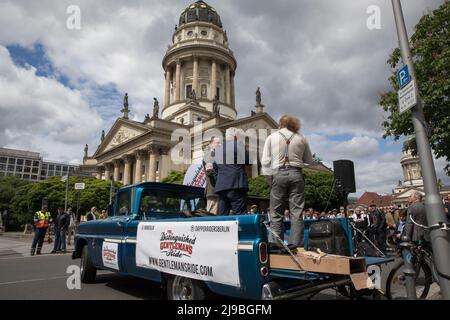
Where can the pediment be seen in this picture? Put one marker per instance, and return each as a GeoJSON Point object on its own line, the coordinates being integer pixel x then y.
{"type": "Point", "coordinates": [408, 192]}
{"type": "Point", "coordinates": [121, 132]}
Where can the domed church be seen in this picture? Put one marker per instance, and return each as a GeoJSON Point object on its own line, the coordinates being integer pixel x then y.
{"type": "Point", "coordinates": [199, 74]}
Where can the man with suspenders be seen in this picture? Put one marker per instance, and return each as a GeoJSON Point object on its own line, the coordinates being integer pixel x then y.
{"type": "Point", "coordinates": [286, 153]}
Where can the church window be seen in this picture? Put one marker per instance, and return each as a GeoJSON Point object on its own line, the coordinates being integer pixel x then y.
{"type": "Point", "coordinates": [204, 33]}
{"type": "Point", "coordinates": [190, 34]}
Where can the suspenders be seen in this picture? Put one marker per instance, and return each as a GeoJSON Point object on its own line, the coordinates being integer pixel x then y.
{"type": "Point", "coordinates": [286, 150]}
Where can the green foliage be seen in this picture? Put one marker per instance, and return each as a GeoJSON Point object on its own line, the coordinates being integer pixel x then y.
{"type": "Point", "coordinates": [8, 188]}
{"type": "Point", "coordinates": [28, 198]}
{"type": "Point", "coordinates": [318, 188]}
{"type": "Point", "coordinates": [175, 177]}
{"type": "Point", "coordinates": [430, 48]}
{"type": "Point", "coordinates": [258, 187]}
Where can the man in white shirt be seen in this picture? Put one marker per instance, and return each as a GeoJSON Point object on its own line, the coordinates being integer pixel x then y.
{"type": "Point", "coordinates": [286, 153]}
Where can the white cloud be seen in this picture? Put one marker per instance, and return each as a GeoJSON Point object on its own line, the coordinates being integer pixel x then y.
{"type": "Point", "coordinates": [41, 114]}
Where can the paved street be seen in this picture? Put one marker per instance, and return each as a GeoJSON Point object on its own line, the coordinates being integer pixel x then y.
{"type": "Point", "coordinates": [45, 277]}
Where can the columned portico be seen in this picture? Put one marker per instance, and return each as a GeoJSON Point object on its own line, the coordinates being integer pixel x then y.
{"type": "Point", "coordinates": [117, 164]}
{"type": "Point", "coordinates": [195, 74]}
{"type": "Point", "coordinates": [99, 173]}
{"type": "Point", "coordinates": [107, 171]}
{"type": "Point", "coordinates": [178, 81]}
{"type": "Point", "coordinates": [127, 169]}
{"type": "Point", "coordinates": [153, 151]}
{"type": "Point", "coordinates": [140, 155]}
{"type": "Point", "coordinates": [213, 79]}
{"type": "Point", "coordinates": [167, 88]}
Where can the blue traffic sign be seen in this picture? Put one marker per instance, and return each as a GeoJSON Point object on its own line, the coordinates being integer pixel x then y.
{"type": "Point", "coordinates": [403, 77]}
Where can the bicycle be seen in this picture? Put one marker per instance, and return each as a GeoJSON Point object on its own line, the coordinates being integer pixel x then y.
{"type": "Point", "coordinates": [425, 270]}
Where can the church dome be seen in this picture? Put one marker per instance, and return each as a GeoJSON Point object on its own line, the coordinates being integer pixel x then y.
{"type": "Point", "coordinates": [200, 11]}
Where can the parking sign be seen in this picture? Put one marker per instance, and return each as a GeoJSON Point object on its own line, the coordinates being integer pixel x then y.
{"type": "Point", "coordinates": [403, 76]}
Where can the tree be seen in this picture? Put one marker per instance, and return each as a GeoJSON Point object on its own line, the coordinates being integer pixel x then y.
{"type": "Point", "coordinates": [258, 187]}
{"type": "Point", "coordinates": [28, 198]}
{"type": "Point", "coordinates": [318, 189]}
{"type": "Point", "coordinates": [175, 177]}
{"type": "Point", "coordinates": [8, 189]}
{"type": "Point", "coordinates": [430, 48]}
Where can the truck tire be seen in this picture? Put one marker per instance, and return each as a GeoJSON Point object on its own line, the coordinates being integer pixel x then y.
{"type": "Point", "coordinates": [182, 288]}
{"type": "Point", "coordinates": [88, 271]}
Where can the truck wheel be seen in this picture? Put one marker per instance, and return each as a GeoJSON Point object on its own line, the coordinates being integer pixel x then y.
{"type": "Point", "coordinates": [181, 288]}
{"type": "Point", "coordinates": [88, 271]}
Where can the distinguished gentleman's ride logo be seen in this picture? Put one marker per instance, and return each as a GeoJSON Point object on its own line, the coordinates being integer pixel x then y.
{"type": "Point", "coordinates": [179, 246]}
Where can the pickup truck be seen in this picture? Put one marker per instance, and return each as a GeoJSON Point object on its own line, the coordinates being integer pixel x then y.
{"type": "Point", "coordinates": [158, 231]}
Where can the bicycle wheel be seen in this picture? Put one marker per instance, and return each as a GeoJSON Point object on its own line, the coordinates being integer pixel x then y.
{"type": "Point", "coordinates": [396, 282]}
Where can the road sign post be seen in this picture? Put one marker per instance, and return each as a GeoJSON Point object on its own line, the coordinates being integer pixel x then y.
{"type": "Point", "coordinates": [440, 239]}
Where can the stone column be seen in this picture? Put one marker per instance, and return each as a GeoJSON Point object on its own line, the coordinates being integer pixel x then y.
{"type": "Point", "coordinates": [178, 81]}
{"type": "Point", "coordinates": [140, 155]}
{"type": "Point", "coordinates": [107, 171]}
{"type": "Point", "coordinates": [164, 163]}
{"type": "Point", "coordinates": [232, 91]}
{"type": "Point", "coordinates": [153, 150]}
{"type": "Point", "coordinates": [167, 91]}
{"type": "Point", "coordinates": [213, 79]}
{"type": "Point", "coordinates": [98, 175]}
{"type": "Point", "coordinates": [227, 85]}
{"type": "Point", "coordinates": [116, 163]}
{"type": "Point", "coordinates": [195, 75]}
{"type": "Point", "coordinates": [127, 169]}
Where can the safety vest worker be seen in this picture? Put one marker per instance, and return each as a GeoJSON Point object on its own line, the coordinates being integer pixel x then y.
{"type": "Point", "coordinates": [41, 222]}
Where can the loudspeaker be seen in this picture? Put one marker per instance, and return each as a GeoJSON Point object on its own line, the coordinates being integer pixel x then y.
{"type": "Point", "coordinates": [344, 173]}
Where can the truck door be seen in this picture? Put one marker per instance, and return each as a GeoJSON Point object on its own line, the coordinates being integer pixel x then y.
{"type": "Point", "coordinates": [109, 243]}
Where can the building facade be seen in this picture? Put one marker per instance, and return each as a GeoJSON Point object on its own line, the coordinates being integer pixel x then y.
{"type": "Point", "coordinates": [412, 181]}
{"type": "Point", "coordinates": [28, 165]}
{"type": "Point", "coordinates": [199, 70]}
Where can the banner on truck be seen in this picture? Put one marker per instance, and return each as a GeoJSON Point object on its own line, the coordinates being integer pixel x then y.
{"type": "Point", "coordinates": [204, 250]}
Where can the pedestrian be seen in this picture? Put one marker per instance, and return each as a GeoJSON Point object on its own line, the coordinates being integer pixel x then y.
{"type": "Point", "coordinates": [416, 211]}
{"type": "Point", "coordinates": [72, 225]}
{"type": "Point", "coordinates": [42, 221]}
{"type": "Point", "coordinates": [104, 214]}
{"type": "Point", "coordinates": [447, 206]}
{"type": "Point", "coordinates": [91, 215]}
{"type": "Point", "coordinates": [341, 213]}
{"type": "Point", "coordinates": [391, 221]}
{"type": "Point", "coordinates": [286, 152]}
{"type": "Point", "coordinates": [378, 227]}
{"type": "Point", "coordinates": [253, 209]}
{"type": "Point", "coordinates": [62, 222]}
{"type": "Point", "coordinates": [212, 198]}
{"type": "Point", "coordinates": [400, 226]}
{"type": "Point", "coordinates": [361, 222]}
{"type": "Point", "coordinates": [231, 179]}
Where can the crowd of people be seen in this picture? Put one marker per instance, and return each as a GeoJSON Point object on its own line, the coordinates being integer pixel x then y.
{"type": "Point", "coordinates": [62, 226]}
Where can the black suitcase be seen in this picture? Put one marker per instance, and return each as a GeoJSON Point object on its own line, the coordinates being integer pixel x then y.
{"type": "Point", "coordinates": [329, 237]}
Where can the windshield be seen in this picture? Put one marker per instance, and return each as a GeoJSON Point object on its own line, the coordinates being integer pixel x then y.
{"type": "Point", "coordinates": [157, 201]}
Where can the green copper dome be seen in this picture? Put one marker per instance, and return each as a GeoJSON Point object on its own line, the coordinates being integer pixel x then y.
{"type": "Point", "coordinates": [200, 11]}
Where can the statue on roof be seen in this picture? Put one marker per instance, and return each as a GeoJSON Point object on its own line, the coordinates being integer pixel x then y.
{"type": "Point", "coordinates": [103, 136]}
{"type": "Point", "coordinates": [86, 150]}
{"type": "Point", "coordinates": [258, 97]}
{"type": "Point", "coordinates": [155, 108]}
{"type": "Point", "coordinates": [125, 109]}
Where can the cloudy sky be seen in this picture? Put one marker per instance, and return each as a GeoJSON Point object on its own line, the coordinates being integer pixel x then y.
{"type": "Point", "coordinates": [315, 59]}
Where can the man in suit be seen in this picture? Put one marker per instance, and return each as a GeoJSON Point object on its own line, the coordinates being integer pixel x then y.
{"type": "Point", "coordinates": [231, 179]}
{"type": "Point", "coordinates": [416, 210]}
